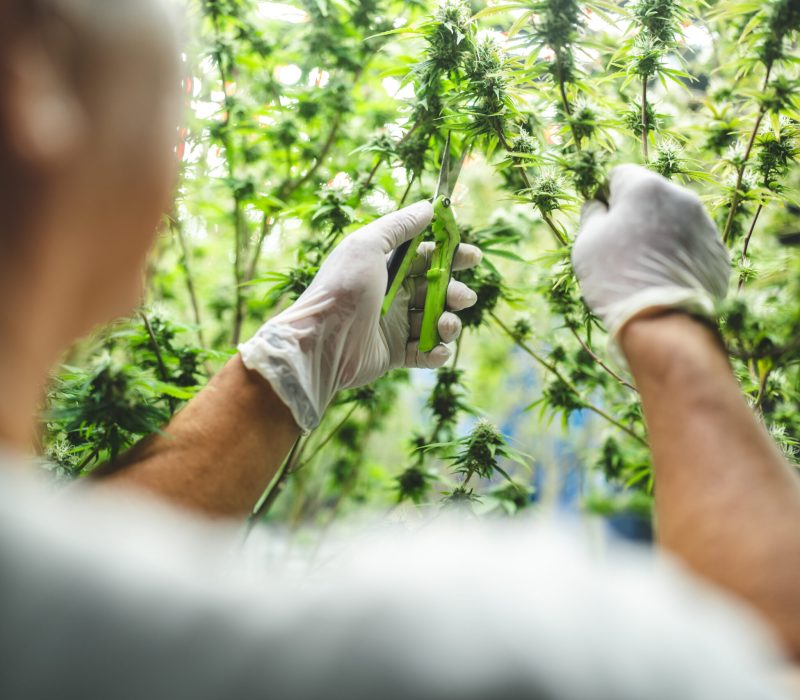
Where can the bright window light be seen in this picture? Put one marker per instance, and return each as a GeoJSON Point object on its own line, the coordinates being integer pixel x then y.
{"type": "Point", "coordinates": [282, 12]}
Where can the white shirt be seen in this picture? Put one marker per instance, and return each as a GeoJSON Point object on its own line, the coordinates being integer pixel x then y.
{"type": "Point", "coordinates": [115, 600]}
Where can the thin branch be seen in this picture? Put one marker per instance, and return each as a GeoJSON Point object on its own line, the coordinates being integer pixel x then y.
{"type": "Point", "coordinates": [382, 159]}
{"type": "Point", "coordinates": [762, 390]}
{"type": "Point", "coordinates": [561, 239]}
{"type": "Point", "coordinates": [566, 105]}
{"type": "Point", "coordinates": [266, 226]}
{"type": "Point", "coordinates": [372, 173]}
{"type": "Point", "coordinates": [558, 233]}
{"type": "Point", "coordinates": [162, 368]}
{"type": "Point", "coordinates": [285, 190]}
{"type": "Point", "coordinates": [550, 367]}
{"type": "Point", "coordinates": [238, 220]}
{"type": "Point", "coordinates": [737, 199]}
{"type": "Point", "coordinates": [177, 229]}
{"type": "Point", "coordinates": [408, 190]}
{"type": "Point", "coordinates": [238, 315]}
{"type": "Point", "coordinates": [598, 360]}
{"type": "Point", "coordinates": [87, 460]}
{"type": "Point", "coordinates": [747, 242]}
{"type": "Point", "coordinates": [645, 120]}
{"type": "Point", "coordinates": [327, 439]}
{"type": "Point", "coordinates": [275, 487]}
{"type": "Point", "coordinates": [289, 187]}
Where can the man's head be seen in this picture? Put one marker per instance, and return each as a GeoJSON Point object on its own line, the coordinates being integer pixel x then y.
{"type": "Point", "coordinates": [88, 116]}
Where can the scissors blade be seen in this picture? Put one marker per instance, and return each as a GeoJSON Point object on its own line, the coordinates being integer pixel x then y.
{"type": "Point", "coordinates": [452, 175]}
{"type": "Point", "coordinates": [444, 172]}
{"type": "Point", "coordinates": [449, 172]}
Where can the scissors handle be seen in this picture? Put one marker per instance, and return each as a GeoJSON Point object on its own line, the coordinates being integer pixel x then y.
{"type": "Point", "coordinates": [398, 268]}
{"type": "Point", "coordinates": [395, 262]}
{"type": "Point", "coordinates": [447, 239]}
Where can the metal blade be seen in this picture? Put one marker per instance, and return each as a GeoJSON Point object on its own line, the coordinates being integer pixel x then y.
{"type": "Point", "coordinates": [444, 172]}
{"type": "Point", "coordinates": [452, 175]}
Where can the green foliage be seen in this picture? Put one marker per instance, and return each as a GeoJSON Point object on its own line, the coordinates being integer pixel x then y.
{"type": "Point", "coordinates": [128, 390]}
{"type": "Point", "coordinates": [299, 131]}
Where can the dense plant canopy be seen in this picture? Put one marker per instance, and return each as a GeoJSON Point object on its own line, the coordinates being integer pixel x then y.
{"type": "Point", "coordinates": [306, 120]}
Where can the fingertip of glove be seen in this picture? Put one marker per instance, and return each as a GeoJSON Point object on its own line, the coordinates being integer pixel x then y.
{"type": "Point", "coordinates": [592, 208]}
{"type": "Point", "coordinates": [438, 356]}
{"type": "Point", "coordinates": [471, 254]}
{"type": "Point", "coordinates": [421, 212]}
{"type": "Point", "coordinates": [470, 298]}
{"type": "Point", "coordinates": [427, 360]}
{"type": "Point", "coordinates": [449, 327]}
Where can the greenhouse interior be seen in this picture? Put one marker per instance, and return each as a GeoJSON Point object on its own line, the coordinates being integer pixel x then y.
{"type": "Point", "coordinates": [378, 349]}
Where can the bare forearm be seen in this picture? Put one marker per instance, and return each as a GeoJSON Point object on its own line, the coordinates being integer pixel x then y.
{"type": "Point", "coordinates": [727, 502]}
{"type": "Point", "coordinates": [219, 453]}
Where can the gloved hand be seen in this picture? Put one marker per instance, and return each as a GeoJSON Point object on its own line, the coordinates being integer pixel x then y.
{"type": "Point", "coordinates": [653, 247]}
{"type": "Point", "coordinates": [334, 337]}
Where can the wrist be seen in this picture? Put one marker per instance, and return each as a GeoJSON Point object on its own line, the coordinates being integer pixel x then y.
{"type": "Point", "coordinates": [671, 344]}
{"type": "Point", "coordinates": [278, 357]}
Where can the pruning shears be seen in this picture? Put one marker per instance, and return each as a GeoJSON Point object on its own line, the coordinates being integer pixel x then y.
{"type": "Point", "coordinates": [446, 238]}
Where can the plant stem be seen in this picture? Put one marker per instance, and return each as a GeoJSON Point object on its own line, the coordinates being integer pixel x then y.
{"type": "Point", "coordinates": [562, 89]}
{"type": "Point", "coordinates": [289, 187]}
{"type": "Point", "coordinates": [597, 359]}
{"type": "Point", "coordinates": [239, 238]}
{"type": "Point", "coordinates": [736, 200]}
{"type": "Point", "coordinates": [162, 368]}
{"type": "Point", "coordinates": [559, 234]}
{"type": "Point", "coordinates": [645, 120]}
{"type": "Point", "coordinates": [408, 190]}
{"type": "Point", "coordinates": [327, 438]}
{"type": "Point", "coordinates": [372, 173]}
{"type": "Point", "coordinates": [87, 460]}
{"type": "Point", "coordinates": [550, 367]}
{"type": "Point", "coordinates": [275, 487]}
{"type": "Point", "coordinates": [177, 229]}
{"type": "Point", "coordinates": [561, 239]}
{"type": "Point", "coordinates": [762, 388]}
{"type": "Point", "coordinates": [238, 315]}
{"type": "Point", "coordinates": [747, 242]}
{"type": "Point", "coordinates": [381, 160]}
{"type": "Point", "coordinates": [266, 227]}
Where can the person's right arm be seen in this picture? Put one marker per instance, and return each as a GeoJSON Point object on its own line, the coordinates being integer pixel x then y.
{"type": "Point", "coordinates": [727, 502]}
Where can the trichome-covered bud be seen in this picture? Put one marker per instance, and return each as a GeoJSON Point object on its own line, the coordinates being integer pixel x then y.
{"type": "Point", "coordinates": [478, 455]}
{"type": "Point", "coordinates": [445, 400]}
{"type": "Point", "coordinates": [547, 192]}
{"type": "Point", "coordinates": [668, 161]}
{"type": "Point", "coordinates": [782, 19]}
{"type": "Point", "coordinates": [587, 172]}
{"type": "Point", "coordinates": [658, 19]}
{"type": "Point", "coordinates": [775, 154]}
{"type": "Point", "coordinates": [632, 118]}
{"type": "Point", "coordinates": [583, 121]}
{"type": "Point", "coordinates": [447, 41]}
{"type": "Point", "coordinates": [646, 57]}
{"type": "Point", "coordinates": [524, 143]}
{"type": "Point", "coordinates": [521, 330]}
{"type": "Point", "coordinates": [413, 484]}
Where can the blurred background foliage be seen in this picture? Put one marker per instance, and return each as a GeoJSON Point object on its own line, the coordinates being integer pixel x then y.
{"type": "Point", "coordinates": [306, 119]}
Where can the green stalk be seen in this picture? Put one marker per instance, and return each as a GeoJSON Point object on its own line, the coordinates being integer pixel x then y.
{"type": "Point", "coordinates": [550, 367]}
{"type": "Point", "coordinates": [747, 242]}
{"type": "Point", "coordinates": [645, 124]}
{"type": "Point", "coordinates": [737, 199]}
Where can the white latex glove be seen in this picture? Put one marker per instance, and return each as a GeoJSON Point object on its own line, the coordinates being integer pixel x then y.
{"type": "Point", "coordinates": [653, 247]}
{"type": "Point", "coordinates": [334, 337]}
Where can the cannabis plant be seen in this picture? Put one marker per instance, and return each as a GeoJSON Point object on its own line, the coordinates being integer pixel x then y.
{"type": "Point", "coordinates": [310, 119]}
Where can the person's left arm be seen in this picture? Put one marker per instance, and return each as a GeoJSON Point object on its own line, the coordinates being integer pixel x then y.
{"type": "Point", "coordinates": [221, 451]}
